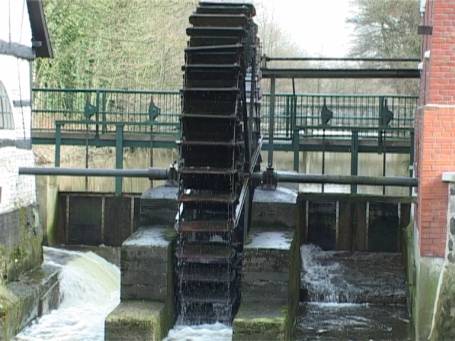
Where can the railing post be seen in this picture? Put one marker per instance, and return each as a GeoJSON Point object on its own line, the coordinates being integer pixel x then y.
{"type": "Point", "coordinates": [97, 113]}
{"type": "Point", "coordinates": [287, 115]}
{"type": "Point", "coordinates": [271, 121]}
{"type": "Point", "coordinates": [58, 143]}
{"type": "Point", "coordinates": [296, 149]}
{"type": "Point", "coordinates": [295, 138]}
{"type": "Point", "coordinates": [354, 157]}
{"type": "Point", "coordinates": [118, 157]}
{"type": "Point", "coordinates": [411, 158]}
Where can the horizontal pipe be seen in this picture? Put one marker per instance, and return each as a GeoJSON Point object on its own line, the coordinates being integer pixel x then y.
{"type": "Point", "coordinates": [339, 73]}
{"type": "Point", "coordinates": [344, 59]}
{"type": "Point", "coordinates": [343, 179]}
{"type": "Point", "coordinates": [152, 173]}
{"type": "Point", "coordinates": [162, 174]}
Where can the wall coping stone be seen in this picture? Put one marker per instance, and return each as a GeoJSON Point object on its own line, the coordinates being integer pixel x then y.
{"type": "Point", "coordinates": [448, 177]}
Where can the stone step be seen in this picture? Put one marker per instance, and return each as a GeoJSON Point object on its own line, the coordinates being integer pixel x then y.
{"type": "Point", "coordinates": [205, 253]}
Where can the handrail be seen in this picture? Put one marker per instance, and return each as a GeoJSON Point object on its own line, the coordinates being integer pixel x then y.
{"type": "Point", "coordinates": [143, 123]}
{"type": "Point", "coordinates": [331, 127]}
{"type": "Point", "coordinates": [136, 107]}
{"type": "Point", "coordinates": [177, 92]}
{"type": "Point", "coordinates": [142, 91]}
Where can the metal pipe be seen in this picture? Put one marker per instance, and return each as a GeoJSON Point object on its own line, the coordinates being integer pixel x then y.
{"type": "Point", "coordinates": [162, 174]}
{"type": "Point", "coordinates": [345, 59]}
{"type": "Point", "coordinates": [293, 177]}
{"type": "Point", "coordinates": [151, 173]}
{"type": "Point", "coordinates": [339, 73]}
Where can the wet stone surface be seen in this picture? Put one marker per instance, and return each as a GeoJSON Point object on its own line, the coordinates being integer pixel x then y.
{"type": "Point", "coordinates": [331, 321]}
{"type": "Point", "coordinates": [145, 264]}
{"type": "Point", "coordinates": [352, 296]}
{"type": "Point", "coordinates": [355, 277]}
{"type": "Point", "coordinates": [274, 209]}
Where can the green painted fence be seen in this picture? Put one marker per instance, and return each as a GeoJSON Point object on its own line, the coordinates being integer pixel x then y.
{"type": "Point", "coordinates": [157, 112]}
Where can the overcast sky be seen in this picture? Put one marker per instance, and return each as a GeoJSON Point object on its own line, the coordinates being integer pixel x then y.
{"type": "Point", "coordinates": [317, 26]}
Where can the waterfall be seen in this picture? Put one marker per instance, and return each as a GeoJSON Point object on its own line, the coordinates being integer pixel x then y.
{"type": "Point", "coordinates": [321, 278]}
{"type": "Point", "coordinates": [203, 332]}
{"type": "Point", "coordinates": [89, 290]}
{"type": "Point", "coordinates": [352, 296]}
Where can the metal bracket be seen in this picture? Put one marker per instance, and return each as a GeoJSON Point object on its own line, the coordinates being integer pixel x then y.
{"type": "Point", "coordinates": [153, 110]}
{"type": "Point", "coordinates": [172, 176]}
{"type": "Point", "coordinates": [385, 117]}
{"type": "Point", "coordinates": [269, 179]}
{"type": "Point", "coordinates": [385, 114]}
{"type": "Point", "coordinates": [89, 110]}
{"type": "Point", "coordinates": [326, 114]}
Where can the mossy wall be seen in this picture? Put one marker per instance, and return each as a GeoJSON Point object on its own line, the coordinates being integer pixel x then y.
{"type": "Point", "coordinates": [21, 236]}
{"type": "Point", "coordinates": [423, 275]}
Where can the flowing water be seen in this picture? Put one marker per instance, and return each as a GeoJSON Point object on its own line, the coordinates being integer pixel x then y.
{"type": "Point", "coordinates": [352, 296]}
{"type": "Point", "coordinates": [203, 332]}
{"type": "Point", "coordinates": [89, 289]}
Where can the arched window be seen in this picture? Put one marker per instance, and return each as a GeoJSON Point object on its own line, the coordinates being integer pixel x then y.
{"type": "Point", "coordinates": [6, 114]}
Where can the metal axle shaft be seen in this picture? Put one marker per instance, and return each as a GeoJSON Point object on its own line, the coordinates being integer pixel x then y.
{"type": "Point", "coordinates": [281, 176]}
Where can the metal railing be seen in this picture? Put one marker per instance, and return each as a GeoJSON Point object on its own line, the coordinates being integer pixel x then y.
{"type": "Point", "coordinates": [356, 111]}
{"type": "Point", "coordinates": [75, 107]}
{"type": "Point", "coordinates": [104, 108]}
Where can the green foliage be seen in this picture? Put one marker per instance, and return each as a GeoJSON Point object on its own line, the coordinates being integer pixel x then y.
{"type": "Point", "coordinates": [115, 43]}
{"type": "Point", "coordinates": [386, 28]}
{"type": "Point", "coordinates": [140, 43]}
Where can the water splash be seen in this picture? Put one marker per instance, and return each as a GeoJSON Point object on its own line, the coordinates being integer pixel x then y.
{"type": "Point", "coordinates": [89, 289]}
{"type": "Point", "coordinates": [321, 276]}
{"type": "Point", "coordinates": [204, 332]}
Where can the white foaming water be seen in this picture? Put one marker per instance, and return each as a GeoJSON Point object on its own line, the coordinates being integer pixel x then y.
{"type": "Point", "coordinates": [270, 240]}
{"type": "Point", "coordinates": [89, 289]}
{"type": "Point", "coordinates": [320, 278]}
{"type": "Point", "coordinates": [203, 332]}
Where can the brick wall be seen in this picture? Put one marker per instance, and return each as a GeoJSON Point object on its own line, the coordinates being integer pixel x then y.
{"type": "Point", "coordinates": [435, 126]}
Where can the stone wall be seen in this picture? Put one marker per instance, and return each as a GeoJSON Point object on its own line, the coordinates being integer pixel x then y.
{"type": "Point", "coordinates": [20, 242]}
{"type": "Point", "coordinates": [443, 323]}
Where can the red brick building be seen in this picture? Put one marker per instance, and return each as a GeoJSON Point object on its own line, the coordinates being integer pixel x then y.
{"type": "Point", "coordinates": [435, 125]}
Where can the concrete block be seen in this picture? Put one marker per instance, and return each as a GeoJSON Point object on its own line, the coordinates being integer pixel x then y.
{"type": "Point", "coordinates": [274, 208]}
{"type": "Point", "coordinates": [271, 270]}
{"type": "Point", "coordinates": [136, 321]}
{"type": "Point", "coordinates": [32, 295]}
{"type": "Point", "coordinates": [159, 206]}
{"type": "Point", "coordinates": [147, 264]}
{"type": "Point", "coordinates": [261, 321]}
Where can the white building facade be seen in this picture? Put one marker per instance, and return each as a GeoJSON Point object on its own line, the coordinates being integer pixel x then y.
{"type": "Point", "coordinates": [21, 23]}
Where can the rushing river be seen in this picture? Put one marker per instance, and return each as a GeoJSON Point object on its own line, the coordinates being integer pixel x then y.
{"type": "Point", "coordinates": [89, 289]}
